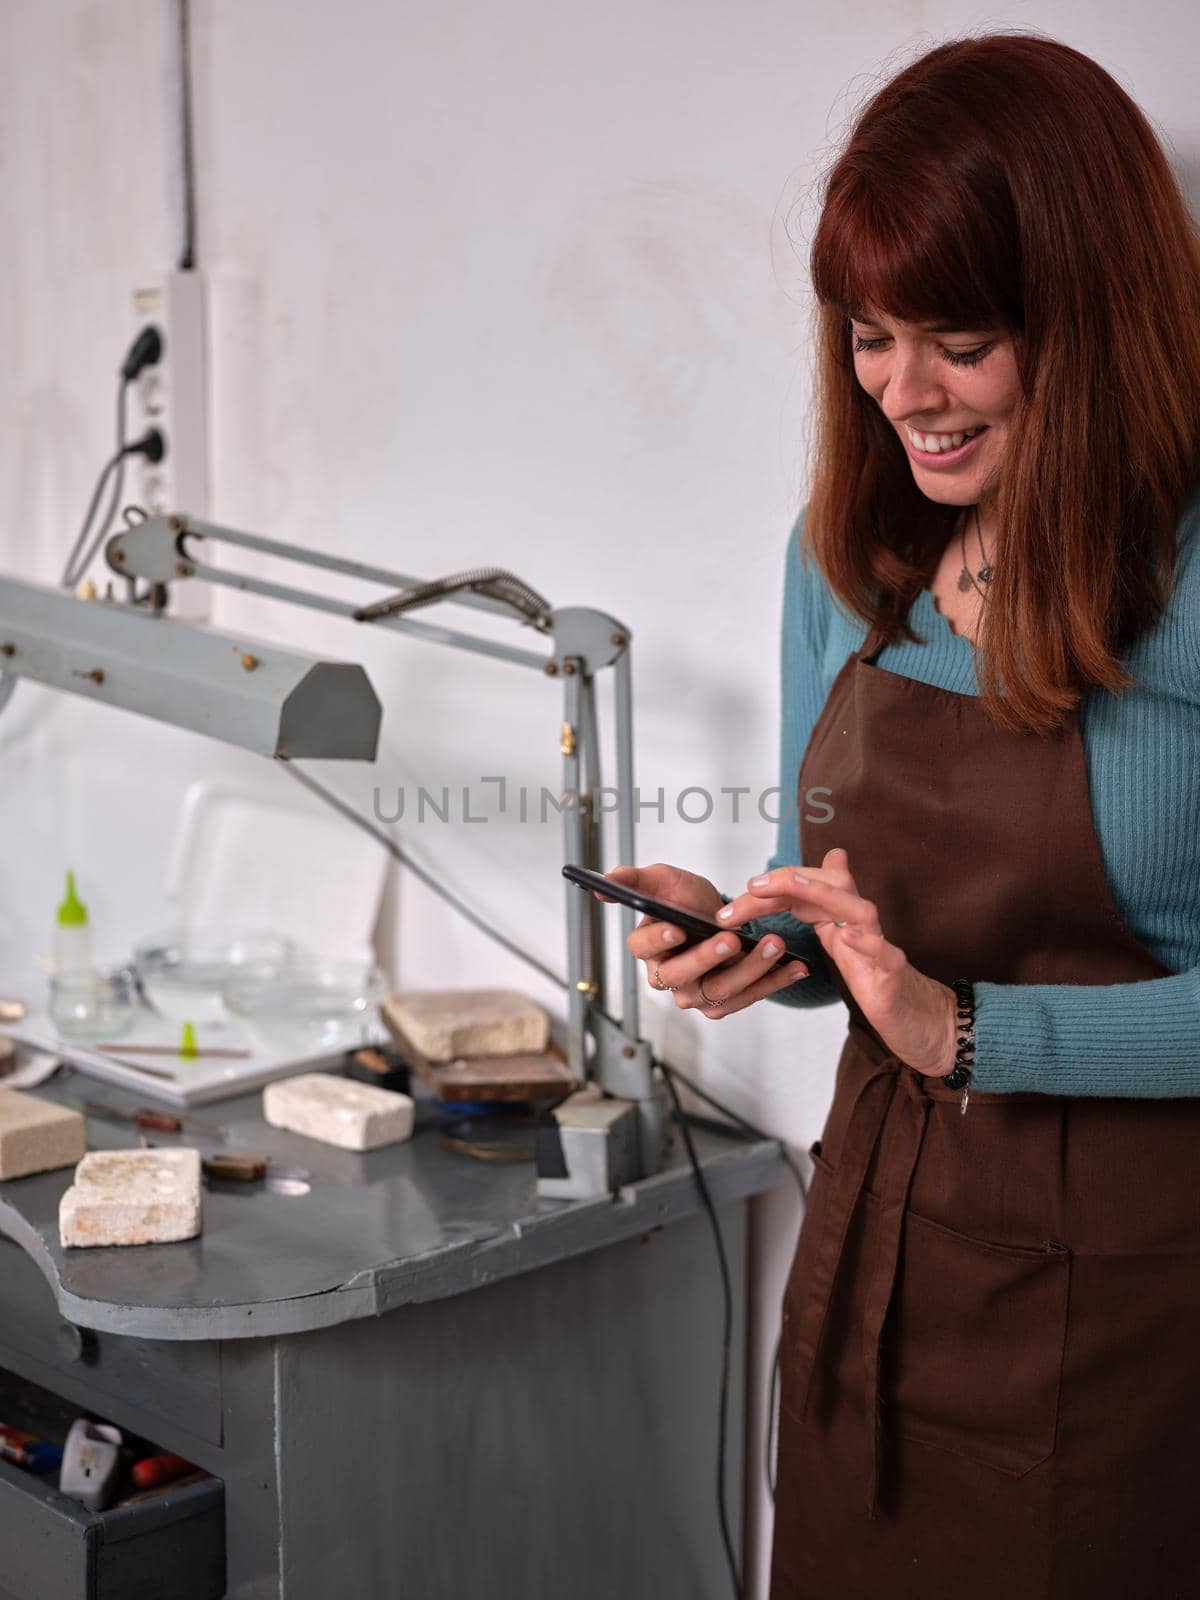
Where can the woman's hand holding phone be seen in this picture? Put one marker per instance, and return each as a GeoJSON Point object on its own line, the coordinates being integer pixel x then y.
{"type": "Point", "coordinates": [739, 980]}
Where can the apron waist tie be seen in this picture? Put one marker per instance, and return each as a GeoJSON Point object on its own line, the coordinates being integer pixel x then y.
{"type": "Point", "coordinates": [902, 1147]}
{"type": "Point", "coordinates": [898, 1161]}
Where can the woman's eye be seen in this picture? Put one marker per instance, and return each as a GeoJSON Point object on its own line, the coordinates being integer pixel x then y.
{"type": "Point", "coordinates": [956, 358]}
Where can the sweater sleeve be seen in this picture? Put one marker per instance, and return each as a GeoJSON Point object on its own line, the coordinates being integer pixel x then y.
{"type": "Point", "coordinates": [802, 695]}
{"type": "Point", "coordinates": [1126, 1040]}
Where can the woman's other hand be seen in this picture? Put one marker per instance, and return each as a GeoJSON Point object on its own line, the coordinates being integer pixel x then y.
{"type": "Point", "coordinates": [740, 979]}
{"type": "Point", "coordinates": [912, 1014]}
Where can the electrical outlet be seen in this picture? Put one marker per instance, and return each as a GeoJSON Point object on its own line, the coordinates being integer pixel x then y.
{"type": "Point", "coordinates": [172, 396]}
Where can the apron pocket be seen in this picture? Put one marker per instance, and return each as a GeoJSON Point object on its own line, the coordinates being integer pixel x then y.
{"type": "Point", "coordinates": [973, 1348]}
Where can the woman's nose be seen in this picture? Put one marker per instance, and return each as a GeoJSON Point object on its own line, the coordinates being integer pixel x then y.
{"type": "Point", "coordinates": [912, 387]}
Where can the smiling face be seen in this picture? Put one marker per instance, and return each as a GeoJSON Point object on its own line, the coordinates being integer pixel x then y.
{"type": "Point", "coordinates": [935, 385]}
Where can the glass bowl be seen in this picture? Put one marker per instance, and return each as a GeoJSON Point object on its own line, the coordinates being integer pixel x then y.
{"type": "Point", "coordinates": [314, 991]}
{"type": "Point", "coordinates": [184, 971]}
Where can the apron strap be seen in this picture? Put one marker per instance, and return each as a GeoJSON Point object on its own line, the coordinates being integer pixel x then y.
{"type": "Point", "coordinates": [901, 1149]}
{"type": "Point", "coordinates": [862, 1133]}
{"type": "Point", "coordinates": [890, 1085]}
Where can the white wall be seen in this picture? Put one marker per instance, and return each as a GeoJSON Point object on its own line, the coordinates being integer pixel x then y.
{"type": "Point", "coordinates": [505, 284]}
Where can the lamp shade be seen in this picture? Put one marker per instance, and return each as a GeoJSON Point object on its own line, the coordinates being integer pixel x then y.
{"type": "Point", "coordinates": [236, 689]}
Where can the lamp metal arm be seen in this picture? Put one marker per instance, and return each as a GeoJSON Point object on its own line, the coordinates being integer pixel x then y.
{"type": "Point", "coordinates": [164, 549]}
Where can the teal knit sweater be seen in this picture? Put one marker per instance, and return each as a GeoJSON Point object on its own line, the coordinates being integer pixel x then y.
{"type": "Point", "coordinates": [1143, 755]}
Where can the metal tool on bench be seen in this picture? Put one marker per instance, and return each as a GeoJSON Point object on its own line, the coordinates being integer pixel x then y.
{"type": "Point", "coordinates": [149, 1118]}
{"type": "Point", "coordinates": [586, 1146]}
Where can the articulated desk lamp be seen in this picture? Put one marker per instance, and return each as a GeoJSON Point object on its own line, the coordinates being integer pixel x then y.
{"type": "Point", "coordinates": [130, 653]}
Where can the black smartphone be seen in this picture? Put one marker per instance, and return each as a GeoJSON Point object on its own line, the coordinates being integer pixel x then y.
{"type": "Point", "coordinates": [695, 928]}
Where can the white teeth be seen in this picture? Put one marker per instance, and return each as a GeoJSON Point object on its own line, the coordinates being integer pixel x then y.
{"type": "Point", "coordinates": [935, 443]}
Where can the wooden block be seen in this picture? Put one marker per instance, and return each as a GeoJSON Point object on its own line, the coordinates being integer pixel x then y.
{"type": "Point", "coordinates": [341, 1111]}
{"type": "Point", "coordinates": [445, 1023]}
{"type": "Point", "coordinates": [132, 1197]}
{"type": "Point", "coordinates": [36, 1135]}
{"type": "Point", "coordinates": [545, 1076]}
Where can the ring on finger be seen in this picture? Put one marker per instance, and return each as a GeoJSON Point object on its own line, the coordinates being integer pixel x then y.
{"type": "Point", "coordinates": [707, 1001]}
{"type": "Point", "coordinates": [659, 984]}
{"type": "Point", "coordinates": [839, 924]}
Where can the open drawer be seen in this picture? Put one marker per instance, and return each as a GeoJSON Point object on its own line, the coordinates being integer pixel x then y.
{"type": "Point", "coordinates": [168, 1547]}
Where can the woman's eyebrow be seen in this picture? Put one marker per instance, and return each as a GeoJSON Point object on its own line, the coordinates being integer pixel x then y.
{"type": "Point", "coordinates": [926, 327]}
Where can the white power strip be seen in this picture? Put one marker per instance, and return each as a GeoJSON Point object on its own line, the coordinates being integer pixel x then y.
{"type": "Point", "coordinates": [173, 396]}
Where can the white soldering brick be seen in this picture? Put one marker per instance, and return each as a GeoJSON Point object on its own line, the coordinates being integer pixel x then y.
{"type": "Point", "coordinates": [444, 1023]}
{"type": "Point", "coordinates": [37, 1135]}
{"type": "Point", "coordinates": [341, 1111]}
{"type": "Point", "coordinates": [132, 1197]}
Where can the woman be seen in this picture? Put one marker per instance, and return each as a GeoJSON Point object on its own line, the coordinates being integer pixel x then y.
{"type": "Point", "coordinates": [990, 1379]}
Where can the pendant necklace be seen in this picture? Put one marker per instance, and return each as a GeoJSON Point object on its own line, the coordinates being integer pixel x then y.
{"type": "Point", "coordinates": [966, 579]}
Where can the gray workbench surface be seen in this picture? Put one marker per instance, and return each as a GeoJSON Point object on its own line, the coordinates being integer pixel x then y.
{"type": "Point", "coordinates": [413, 1222]}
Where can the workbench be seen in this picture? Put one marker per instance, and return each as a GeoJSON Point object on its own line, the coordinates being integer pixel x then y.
{"type": "Point", "coordinates": [416, 1379]}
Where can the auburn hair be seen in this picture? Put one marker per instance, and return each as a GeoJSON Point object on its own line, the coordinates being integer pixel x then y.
{"type": "Point", "coordinates": [1007, 181]}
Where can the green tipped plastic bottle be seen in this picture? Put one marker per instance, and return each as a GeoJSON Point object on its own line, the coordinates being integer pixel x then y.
{"type": "Point", "coordinates": [72, 932]}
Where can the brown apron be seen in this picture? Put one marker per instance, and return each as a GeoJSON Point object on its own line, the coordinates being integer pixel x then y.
{"type": "Point", "coordinates": [990, 1370]}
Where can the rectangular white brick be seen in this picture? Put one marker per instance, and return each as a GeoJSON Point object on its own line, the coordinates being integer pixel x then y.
{"type": "Point", "coordinates": [36, 1135]}
{"type": "Point", "coordinates": [444, 1023]}
{"type": "Point", "coordinates": [341, 1111]}
{"type": "Point", "coordinates": [132, 1197]}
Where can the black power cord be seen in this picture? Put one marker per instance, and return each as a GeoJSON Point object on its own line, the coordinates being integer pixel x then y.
{"type": "Point", "coordinates": [749, 1131]}
{"type": "Point", "coordinates": [75, 567]}
{"type": "Point", "coordinates": [153, 446]}
{"type": "Point", "coordinates": [187, 249]}
{"type": "Point", "coordinates": [738, 1127]}
{"type": "Point", "coordinates": [144, 352]}
{"type": "Point", "coordinates": [706, 1200]}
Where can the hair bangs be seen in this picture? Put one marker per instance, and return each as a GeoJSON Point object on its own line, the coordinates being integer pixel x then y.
{"type": "Point", "coordinates": [915, 252]}
{"type": "Point", "coordinates": [909, 263]}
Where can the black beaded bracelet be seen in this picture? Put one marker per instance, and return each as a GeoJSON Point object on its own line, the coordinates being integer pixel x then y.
{"type": "Point", "coordinates": [964, 1057]}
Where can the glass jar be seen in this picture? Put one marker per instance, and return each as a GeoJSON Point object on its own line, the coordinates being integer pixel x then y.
{"type": "Point", "coordinates": [92, 1003]}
